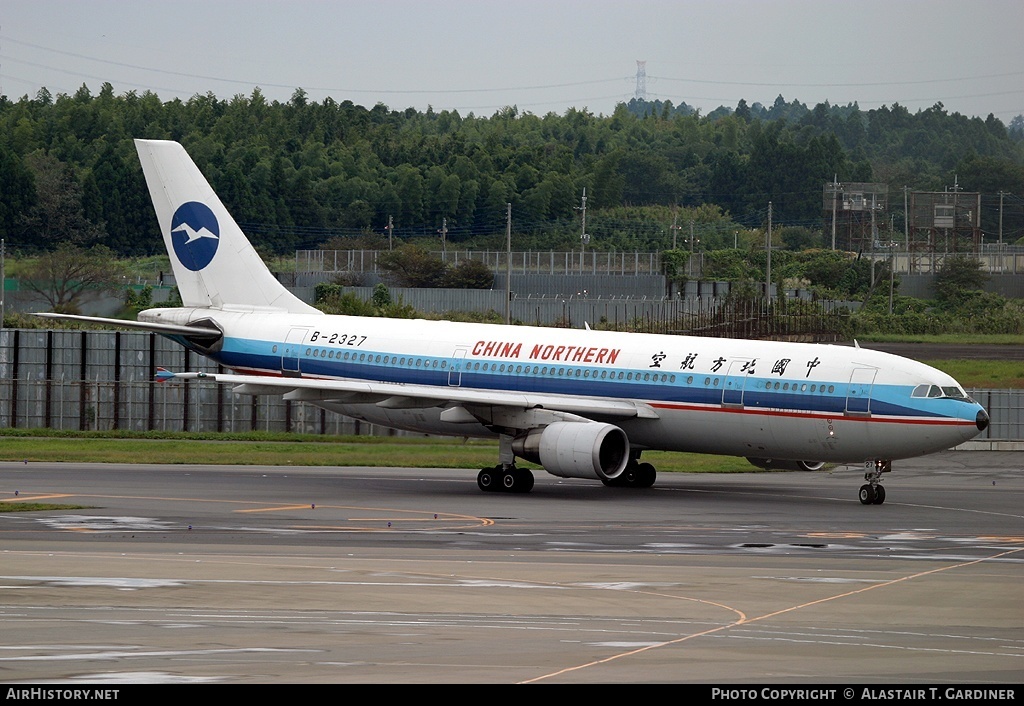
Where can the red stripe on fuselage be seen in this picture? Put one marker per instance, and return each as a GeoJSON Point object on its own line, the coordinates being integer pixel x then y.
{"type": "Point", "coordinates": [736, 410]}
{"type": "Point", "coordinates": [855, 417]}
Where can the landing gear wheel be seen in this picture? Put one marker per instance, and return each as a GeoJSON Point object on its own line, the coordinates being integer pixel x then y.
{"type": "Point", "coordinates": [867, 495]}
{"type": "Point", "coordinates": [872, 492]}
{"type": "Point", "coordinates": [486, 479]}
{"type": "Point", "coordinates": [509, 480]}
{"type": "Point", "coordinates": [525, 484]}
{"type": "Point", "coordinates": [639, 475]}
{"type": "Point", "coordinates": [645, 475]}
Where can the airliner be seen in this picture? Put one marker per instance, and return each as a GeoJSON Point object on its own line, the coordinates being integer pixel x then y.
{"type": "Point", "coordinates": [580, 403]}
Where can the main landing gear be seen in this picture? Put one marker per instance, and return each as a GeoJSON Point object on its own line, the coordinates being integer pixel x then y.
{"type": "Point", "coordinates": [636, 475]}
{"type": "Point", "coordinates": [508, 479]}
{"type": "Point", "coordinates": [872, 492]}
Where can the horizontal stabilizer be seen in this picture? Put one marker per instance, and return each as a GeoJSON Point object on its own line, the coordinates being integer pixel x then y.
{"type": "Point", "coordinates": [166, 329]}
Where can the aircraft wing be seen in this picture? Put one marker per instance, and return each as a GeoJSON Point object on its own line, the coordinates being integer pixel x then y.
{"type": "Point", "coordinates": [406, 396]}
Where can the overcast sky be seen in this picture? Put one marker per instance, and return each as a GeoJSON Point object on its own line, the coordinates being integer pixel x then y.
{"type": "Point", "coordinates": [542, 56]}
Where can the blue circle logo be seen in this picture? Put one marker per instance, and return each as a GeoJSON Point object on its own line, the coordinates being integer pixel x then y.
{"type": "Point", "coordinates": [195, 235]}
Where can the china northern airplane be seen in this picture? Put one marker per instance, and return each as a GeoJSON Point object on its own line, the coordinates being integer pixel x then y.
{"type": "Point", "coordinates": [580, 403]}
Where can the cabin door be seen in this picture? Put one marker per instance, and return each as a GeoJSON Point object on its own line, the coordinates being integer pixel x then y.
{"type": "Point", "coordinates": [858, 393]}
{"type": "Point", "coordinates": [455, 367]}
{"type": "Point", "coordinates": [291, 352]}
{"type": "Point", "coordinates": [736, 382]}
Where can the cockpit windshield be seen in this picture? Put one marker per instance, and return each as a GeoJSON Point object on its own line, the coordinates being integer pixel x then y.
{"type": "Point", "coordinates": [949, 391]}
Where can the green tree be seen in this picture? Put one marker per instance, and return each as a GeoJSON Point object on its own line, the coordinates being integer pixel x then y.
{"type": "Point", "coordinates": [58, 216]}
{"type": "Point", "coordinates": [958, 276]}
{"type": "Point", "coordinates": [19, 196]}
{"type": "Point", "coordinates": [70, 275]}
{"type": "Point", "coordinates": [381, 298]}
{"type": "Point", "coordinates": [412, 266]}
{"type": "Point", "coordinates": [469, 274]}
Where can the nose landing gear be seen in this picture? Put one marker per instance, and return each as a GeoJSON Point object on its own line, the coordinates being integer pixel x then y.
{"type": "Point", "coordinates": [872, 492]}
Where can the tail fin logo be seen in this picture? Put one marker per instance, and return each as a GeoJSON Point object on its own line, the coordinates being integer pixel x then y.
{"type": "Point", "coordinates": [195, 234]}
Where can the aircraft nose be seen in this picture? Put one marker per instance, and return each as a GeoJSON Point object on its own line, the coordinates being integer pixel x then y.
{"type": "Point", "coordinates": [982, 420]}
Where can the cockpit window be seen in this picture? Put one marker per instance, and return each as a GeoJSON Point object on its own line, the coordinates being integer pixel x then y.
{"type": "Point", "coordinates": [934, 391]}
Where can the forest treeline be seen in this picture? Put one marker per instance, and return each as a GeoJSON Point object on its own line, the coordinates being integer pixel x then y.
{"type": "Point", "coordinates": [302, 174]}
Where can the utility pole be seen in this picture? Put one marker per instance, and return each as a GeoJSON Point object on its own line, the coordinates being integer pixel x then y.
{"type": "Point", "coordinates": [835, 194]}
{"type": "Point", "coordinates": [956, 198]}
{"type": "Point", "coordinates": [444, 238]}
{"type": "Point", "coordinates": [675, 228]}
{"type": "Point", "coordinates": [508, 264]}
{"type": "Point", "coordinates": [1001, 195]}
{"type": "Point", "coordinates": [390, 229]}
{"type": "Point", "coordinates": [768, 248]}
{"type": "Point", "coordinates": [892, 271]}
{"type": "Point", "coordinates": [689, 262]}
{"type": "Point", "coordinates": [584, 238]}
{"type": "Point", "coordinates": [3, 278]}
{"type": "Point", "coordinates": [906, 221]}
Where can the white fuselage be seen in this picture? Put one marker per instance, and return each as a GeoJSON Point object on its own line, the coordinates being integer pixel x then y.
{"type": "Point", "coordinates": [763, 399]}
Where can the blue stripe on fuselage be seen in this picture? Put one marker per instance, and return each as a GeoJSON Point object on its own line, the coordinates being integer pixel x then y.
{"type": "Point", "coordinates": [569, 379]}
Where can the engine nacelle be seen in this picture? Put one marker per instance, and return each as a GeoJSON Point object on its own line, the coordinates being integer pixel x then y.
{"type": "Point", "coordinates": [770, 463]}
{"type": "Point", "coordinates": [576, 449]}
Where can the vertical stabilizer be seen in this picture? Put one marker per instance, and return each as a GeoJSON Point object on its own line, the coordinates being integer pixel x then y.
{"type": "Point", "coordinates": [214, 264]}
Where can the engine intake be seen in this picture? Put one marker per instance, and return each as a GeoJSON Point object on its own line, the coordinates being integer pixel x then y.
{"type": "Point", "coordinates": [576, 449]}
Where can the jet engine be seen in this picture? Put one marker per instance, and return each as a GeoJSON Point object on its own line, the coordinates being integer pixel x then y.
{"type": "Point", "coordinates": [576, 449]}
{"type": "Point", "coordinates": [770, 463]}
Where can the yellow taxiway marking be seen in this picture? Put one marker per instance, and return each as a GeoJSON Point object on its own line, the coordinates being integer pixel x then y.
{"type": "Point", "coordinates": [743, 620]}
{"type": "Point", "coordinates": [35, 498]}
{"type": "Point", "coordinates": [398, 516]}
{"type": "Point", "coordinates": [276, 509]}
{"type": "Point", "coordinates": [994, 538]}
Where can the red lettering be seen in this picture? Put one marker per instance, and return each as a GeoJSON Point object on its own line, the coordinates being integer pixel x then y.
{"type": "Point", "coordinates": [589, 357]}
{"type": "Point", "coordinates": [613, 355]}
{"type": "Point", "coordinates": [601, 354]}
{"type": "Point", "coordinates": [476, 347]}
{"type": "Point", "coordinates": [535, 353]}
{"type": "Point", "coordinates": [558, 352]}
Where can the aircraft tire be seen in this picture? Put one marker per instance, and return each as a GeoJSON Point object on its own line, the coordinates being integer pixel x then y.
{"type": "Point", "coordinates": [867, 494]}
{"type": "Point", "coordinates": [525, 482]}
{"type": "Point", "coordinates": [879, 495]}
{"type": "Point", "coordinates": [510, 481]}
{"type": "Point", "coordinates": [486, 479]}
{"type": "Point", "coordinates": [645, 476]}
